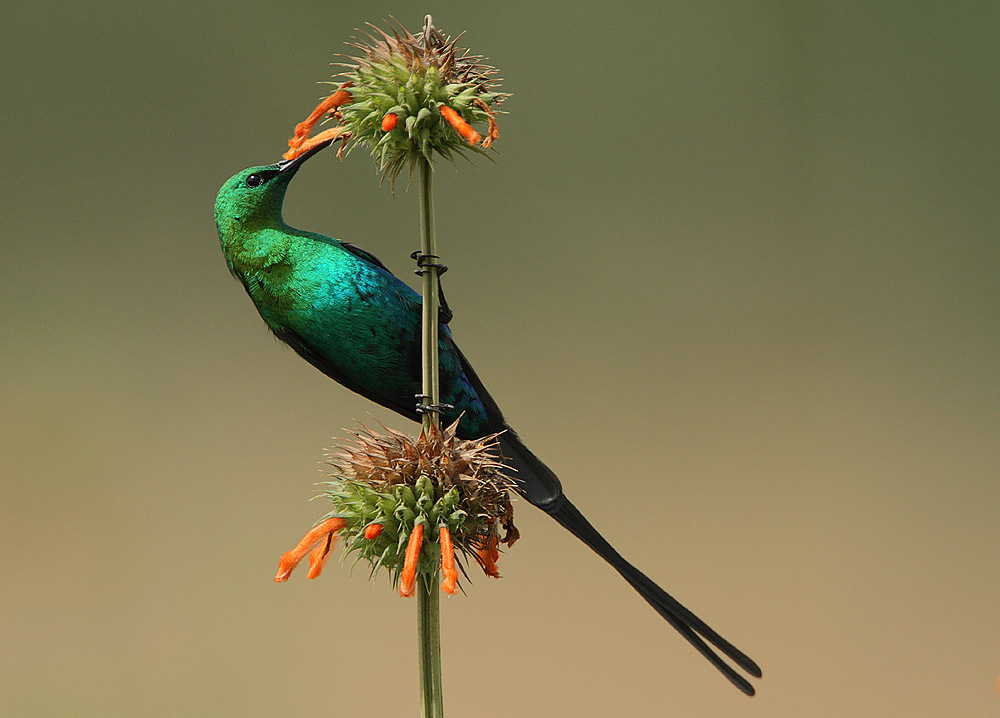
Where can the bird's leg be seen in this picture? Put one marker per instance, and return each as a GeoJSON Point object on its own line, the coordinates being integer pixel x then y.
{"type": "Point", "coordinates": [445, 314]}
{"type": "Point", "coordinates": [300, 141]}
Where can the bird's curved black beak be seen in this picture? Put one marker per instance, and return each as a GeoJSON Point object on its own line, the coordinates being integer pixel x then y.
{"type": "Point", "coordinates": [293, 165]}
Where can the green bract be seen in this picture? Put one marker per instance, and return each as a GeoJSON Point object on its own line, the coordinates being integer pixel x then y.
{"type": "Point", "coordinates": [397, 512]}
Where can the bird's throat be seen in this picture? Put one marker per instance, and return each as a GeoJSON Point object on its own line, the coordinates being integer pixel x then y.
{"type": "Point", "coordinates": [259, 259]}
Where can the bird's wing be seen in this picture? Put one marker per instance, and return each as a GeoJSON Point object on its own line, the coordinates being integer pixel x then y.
{"type": "Point", "coordinates": [445, 313]}
{"type": "Point", "coordinates": [492, 410]}
{"type": "Point", "coordinates": [303, 349]}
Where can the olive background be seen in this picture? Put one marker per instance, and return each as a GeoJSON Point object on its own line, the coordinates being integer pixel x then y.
{"type": "Point", "coordinates": [734, 276]}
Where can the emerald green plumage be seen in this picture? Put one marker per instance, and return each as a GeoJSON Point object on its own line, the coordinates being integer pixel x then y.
{"type": "Point", "coordinates": [346, 314]}
{"type": "Point", "coordinates": [337, 305]}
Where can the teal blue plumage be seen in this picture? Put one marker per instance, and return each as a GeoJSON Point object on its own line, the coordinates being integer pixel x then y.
{"type": "Point", "coordinates": [346, 314]}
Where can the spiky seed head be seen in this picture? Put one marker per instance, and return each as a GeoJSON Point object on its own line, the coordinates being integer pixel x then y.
{"type": "Point", "coordinates": [413, 77]}
{"type": "Point", "coordinates": [392, 480]}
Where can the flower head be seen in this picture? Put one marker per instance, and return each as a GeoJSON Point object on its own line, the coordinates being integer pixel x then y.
{"type": "Point", "coordinates": [409, 97]}
{"type": "Point", "coordinates": [407, 504]}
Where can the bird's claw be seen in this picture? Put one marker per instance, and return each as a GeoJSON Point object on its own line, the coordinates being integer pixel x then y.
{"type": "Point", "coordinates": [423, 408]}
{"type": "Point", "coordinates": [423, 264]}
{"type": "Point", "coordinates": [445, 314]}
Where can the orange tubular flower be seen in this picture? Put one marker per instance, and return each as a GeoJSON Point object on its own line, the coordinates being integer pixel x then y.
{"type": "Point", "coordinates": [448, 562]}
{"type": "Point", "coordinates": [460, 125]}
{"type": "Point", "coordinates": [389, 121]}
{"type": "Point", "coordinates": [318, 556]}
{"type": "Point", "coordinates": [300, 142]}
{"type": "Point", "coordinates": [331, 134]}
{"type": "Point", "coordinates": [372, 531]}
{"type": "Point", "coordinates": [325, 533]}
{"type": "Point", "coordinates": [408, 578]}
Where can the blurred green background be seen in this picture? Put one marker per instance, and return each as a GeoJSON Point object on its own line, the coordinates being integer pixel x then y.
{"type": "Point", "coordinates": [734, 276]}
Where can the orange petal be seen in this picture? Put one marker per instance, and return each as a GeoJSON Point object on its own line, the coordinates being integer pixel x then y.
{"type": "Point", "coordinates": [389, 121]}
{"type": "Point", "coordinates": [448, 562]}
{"type": "Point", "coordinates": [330, 134]}
{"type": "Point", "coordinates": [408, 578]}
{"type": "Point", "coordinates": [290, 559]}
{"type": "Point", "coordinates": [488, 556]}
{"type": "Point", "coordinates": [318, 556]}
{"type": "Point", "coordinates": [302, 130]}
{"type": "Point", "coordinates": [460, 125]}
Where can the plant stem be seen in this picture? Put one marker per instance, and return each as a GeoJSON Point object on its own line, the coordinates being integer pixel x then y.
{"type": "Point", "coordinates": [428, 596]}
{"type": "Point", "coordinates": [428, 246]}
{"type": "Point", "coordinates": [429, 638]}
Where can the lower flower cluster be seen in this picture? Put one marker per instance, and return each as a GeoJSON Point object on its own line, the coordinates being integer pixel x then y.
{"type": "Point", "coordinates": [406, 505]}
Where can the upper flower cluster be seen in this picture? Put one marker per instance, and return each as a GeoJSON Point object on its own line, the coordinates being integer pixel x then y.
{"type": "Point", "coordinates": [409, 97]}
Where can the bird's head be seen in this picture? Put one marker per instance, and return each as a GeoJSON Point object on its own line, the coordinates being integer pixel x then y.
{"type": "Point", "coordinates": [253, 198]}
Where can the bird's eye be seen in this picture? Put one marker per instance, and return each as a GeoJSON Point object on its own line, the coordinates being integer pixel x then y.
{"type": "Point", "coordinates": [254, 181]}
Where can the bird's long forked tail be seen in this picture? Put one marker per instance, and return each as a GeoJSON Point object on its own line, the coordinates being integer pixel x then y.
{"type": "Point", "coordinates": [696, 631]}
{"type": "Point", "coordinates": [536, 479]}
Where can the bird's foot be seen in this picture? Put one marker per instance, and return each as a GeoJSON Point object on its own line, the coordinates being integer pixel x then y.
{"type": "Point", "coordinates": [423, 408]}
{"type": "Point", "coordinates": [445, 314]}
{"type": "Point", "coordinates": [423, 264]}
{"type": "Point", "coordinates": [318, 543]}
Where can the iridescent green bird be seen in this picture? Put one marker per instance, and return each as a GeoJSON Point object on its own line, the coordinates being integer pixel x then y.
{"type": "Point", "coordinates": [347, 315]}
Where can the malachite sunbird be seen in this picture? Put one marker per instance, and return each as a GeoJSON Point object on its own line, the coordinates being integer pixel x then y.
{"type": "Point", "coordinates": [342, 311]}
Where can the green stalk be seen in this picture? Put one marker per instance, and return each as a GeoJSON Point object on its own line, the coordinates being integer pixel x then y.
{"type": "Point", "coordinates": [428, 245]}
{"type": "Point", "coordinates": [428, 597]}
{"type": "Point", "coordinates": [429, 638]}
